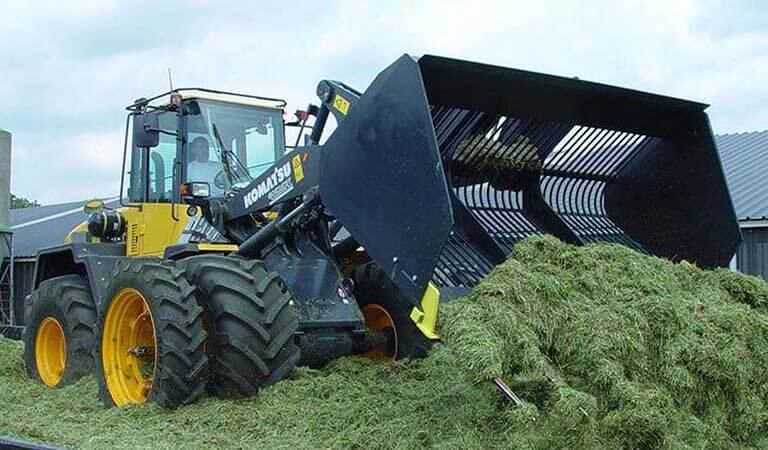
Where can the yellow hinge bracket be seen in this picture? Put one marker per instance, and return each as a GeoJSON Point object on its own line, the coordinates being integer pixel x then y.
{"type": "Point", "coordinates": [426, 317]}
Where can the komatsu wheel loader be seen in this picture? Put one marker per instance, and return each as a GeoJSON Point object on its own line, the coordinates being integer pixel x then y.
{"type": "Point", "coordinates": [236, 257]}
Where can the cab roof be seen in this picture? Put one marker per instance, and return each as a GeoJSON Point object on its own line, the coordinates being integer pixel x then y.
{"type": "Point", "coordinates": [194, 93]}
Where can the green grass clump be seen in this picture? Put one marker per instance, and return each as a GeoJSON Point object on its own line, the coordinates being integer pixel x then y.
{"type": "Point", "coordinates": [608, 349]}
{"type": "Point", "coordinates": [503, 166]}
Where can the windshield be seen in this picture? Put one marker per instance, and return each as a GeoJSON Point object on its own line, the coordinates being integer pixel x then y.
{"type": "Point", "coordinates": [227, 145]}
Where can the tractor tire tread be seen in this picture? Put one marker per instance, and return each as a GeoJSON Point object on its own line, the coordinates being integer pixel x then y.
{"type": "Point", "coordinates": [250, 322]}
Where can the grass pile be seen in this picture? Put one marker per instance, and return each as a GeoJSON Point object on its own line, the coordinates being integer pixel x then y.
{"type": "Point", "coordinates": [608, 349]}
{"type": "Point", "coordinates": [618, 349]}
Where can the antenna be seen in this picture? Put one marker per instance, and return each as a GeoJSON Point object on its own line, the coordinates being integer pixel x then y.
{"type": "Point", "coordinates": [170, 79]}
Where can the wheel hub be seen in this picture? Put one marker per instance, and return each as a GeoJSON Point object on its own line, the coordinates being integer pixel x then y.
{"type": "Point", "coordinates": [128, 348]}
{"type": "Point", "coordinates": [50, 351]}
{"type": "Point", "coordinates": [380, 323]}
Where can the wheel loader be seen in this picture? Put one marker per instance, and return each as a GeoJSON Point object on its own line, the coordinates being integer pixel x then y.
{"type": "Point", "coordinates": [236, 256]}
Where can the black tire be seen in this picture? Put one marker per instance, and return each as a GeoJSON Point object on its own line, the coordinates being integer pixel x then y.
{"type": "Point", "coordinates": [372, 286]}
{"type": "Point", "coordinates": [180, 369]}
{"type": "Point", "coordinates": [68, 300]}
{"type": "Point", "coordinates": [250, 322]}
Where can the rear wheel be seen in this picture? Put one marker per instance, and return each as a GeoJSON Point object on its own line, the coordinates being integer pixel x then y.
{"type": "Point", "coordinates": [386, 310]}
{"type": "Point", "coordinates": [250, 321]}
{"type": "Point", "coordinates": [151, 337]}
{"type": "Point", "coordinates": [59, 337]}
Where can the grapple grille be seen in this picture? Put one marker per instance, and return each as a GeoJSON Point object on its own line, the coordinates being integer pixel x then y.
{"type": "Point", "coordinates": [500, 167]}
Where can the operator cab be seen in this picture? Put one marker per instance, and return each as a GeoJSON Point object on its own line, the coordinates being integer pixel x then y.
{"type": "Point", "coordinates": [222, 140]}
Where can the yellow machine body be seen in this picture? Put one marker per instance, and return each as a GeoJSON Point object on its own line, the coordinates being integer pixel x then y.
{"type": "Point", "coordinates": [151, 228]}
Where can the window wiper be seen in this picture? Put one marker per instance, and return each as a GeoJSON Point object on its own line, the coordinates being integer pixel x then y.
{"type": "Point", "coordinates": [226, 155]}
{"type": "Point", "coordinates": [240, 163]}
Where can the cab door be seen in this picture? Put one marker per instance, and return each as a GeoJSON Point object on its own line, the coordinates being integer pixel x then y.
{"type": "Point", "coordinates": [154, 218]}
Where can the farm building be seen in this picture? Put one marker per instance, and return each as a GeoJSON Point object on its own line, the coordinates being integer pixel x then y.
{"type": "Point", "coordinates": [745, 161]}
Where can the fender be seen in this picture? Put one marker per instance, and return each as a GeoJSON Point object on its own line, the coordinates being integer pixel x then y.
{"type": "Point", "coordinates": [90, 260]}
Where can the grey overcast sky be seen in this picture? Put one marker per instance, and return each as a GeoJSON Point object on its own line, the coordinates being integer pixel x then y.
{"type": "Point", "coordinates": [67, 69]}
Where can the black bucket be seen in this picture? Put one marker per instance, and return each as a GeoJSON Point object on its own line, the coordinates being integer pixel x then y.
{"type": "Point", "coordinates": [443, 165]}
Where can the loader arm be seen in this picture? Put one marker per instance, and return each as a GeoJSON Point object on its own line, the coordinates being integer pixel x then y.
{"type": "Point", "coordinates": [290, 177]}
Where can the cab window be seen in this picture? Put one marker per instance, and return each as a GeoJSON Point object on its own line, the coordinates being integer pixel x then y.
{"type": "Point", "coordinates": [161, 163]}
{"type": "Point", "coordinates": [229, 144]}
{"type": "Point", "coordinates": [260, 148]}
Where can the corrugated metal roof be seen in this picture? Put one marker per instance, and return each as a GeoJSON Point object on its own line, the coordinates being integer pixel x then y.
{"type": "Point", "coordinates": [22, 215]}
{"type": "Point", "coordinates": [44, 226]}
{"type": "Point", "coordinates": [745, 162]}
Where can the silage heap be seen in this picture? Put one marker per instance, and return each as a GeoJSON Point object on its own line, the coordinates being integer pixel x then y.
{"type": "Point", "coordinates": [615, 348]}
{"type": "Point", "coordinates": [608, 348]}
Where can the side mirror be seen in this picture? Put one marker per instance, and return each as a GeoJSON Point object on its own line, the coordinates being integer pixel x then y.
{"type": "Point", "coordinates": [92, 206]}
{"type": "Point", "coordinates": [146, 130]}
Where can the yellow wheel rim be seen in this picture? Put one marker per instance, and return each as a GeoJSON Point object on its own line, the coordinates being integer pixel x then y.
{"type": "Point", "coordinates": [377, 319]}
{"type": "Point", "coordinates": [50, 351]}
{"type": "Point", "coordinates": [128, 346]}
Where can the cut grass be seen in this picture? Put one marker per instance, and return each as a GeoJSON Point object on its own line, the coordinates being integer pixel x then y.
{"type": "Point", "coordinates": [353, 403]}
{"type": "Point", "coordinates": [608, 348]}
{"type": "Point", "coordinates": [620, 349]}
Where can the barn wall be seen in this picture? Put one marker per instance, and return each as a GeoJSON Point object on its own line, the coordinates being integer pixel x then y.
{"type": "Point", "coordinates": [752, 257]}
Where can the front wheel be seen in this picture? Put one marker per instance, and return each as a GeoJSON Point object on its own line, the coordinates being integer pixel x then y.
{"type": "Point", "coordinates": [151, 337]}
{"type": "Point", "coordinates": [386, 310]}
{"type": "Point", "coordinates": [250, 320]}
